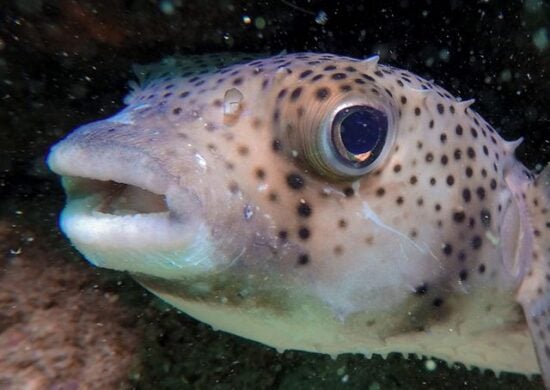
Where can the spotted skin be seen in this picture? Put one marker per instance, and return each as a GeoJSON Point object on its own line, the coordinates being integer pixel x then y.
{"type": "Point", "coordinates": [428, 253]}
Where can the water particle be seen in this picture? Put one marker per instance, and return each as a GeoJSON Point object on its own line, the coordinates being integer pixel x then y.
{"type": "Point", "coordinates": [248, 212]}
{"type": "Point", "coordinates": [321, 18]}
{"type": "Point", "coordinates": [430, 365]}
{"type": "Point", "coordinates": [260, 23]}
{"type": "Point", "coordinates": [201, 161]}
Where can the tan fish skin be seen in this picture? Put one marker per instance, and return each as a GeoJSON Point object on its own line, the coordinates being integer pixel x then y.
{"type": "Point", "coordinates": [317, 202]}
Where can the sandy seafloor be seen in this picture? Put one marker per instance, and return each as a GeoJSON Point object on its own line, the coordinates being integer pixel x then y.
{"type": "Point", "coordinates": [66, 325]}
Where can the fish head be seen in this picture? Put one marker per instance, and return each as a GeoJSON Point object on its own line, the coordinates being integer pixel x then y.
{"type": "Point", "coordinates": [306, 201]}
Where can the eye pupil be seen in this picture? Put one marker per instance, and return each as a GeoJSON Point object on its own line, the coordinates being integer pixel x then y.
{"type": "Point", "coordinates": [360, 133]}
{"type": "Point", "coordinates": [361, 130]}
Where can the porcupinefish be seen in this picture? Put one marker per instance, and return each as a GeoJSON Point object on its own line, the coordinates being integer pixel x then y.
{"type": "Point", "coordinates": [319, 203]}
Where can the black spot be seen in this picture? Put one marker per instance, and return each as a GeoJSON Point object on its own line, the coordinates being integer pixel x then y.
{"type": "Point", "coordinates": [413, 180]}
{"type": "Point", "coordinates": [260, 173]}
{"type": "Point", "coordinates": [276, 145]}
{"type": "Point", "coordinates": [304, 233]}
{"type": "Point", "coordinates": [471, 153]}
{"type": "Point", "coordinates": [233, 188]}
{"type": "Point", "coordinates": [322, 93]}
{"type": "Point", "coordinates": [474, 132]}
{"type": "Point", "coordinates": [447, 249]}
{"type": "Point", "coordinates": [444, 159]}
{"type": "Point", "coordinates": [304, 210]}
{"type": "Point", "coordinates": [437, 302]}
{"type": "Point", "coordinates": [184, 94]}
{"type": "Point", "coordinates": [295, 181]}
{"type": "Point", "coordinates": [457, 154]}
{"type": "Point", "coordinates": [283, 235]}
{"type": "Point", "coordinates": [397, 168]}
{"type": "Point", "coordinates": [493, 184]}
{"type": "Point", "coordinates": [480, 191]}
{"type": "Point", "coordinates": [349, 192]}
{"type": "Point", "coordinates": [485, 150]}
{"type": "Point", "coordinates": [417, 111]}
{"type": "Point", "coordinates": [177, 111]}
{"type": "Point", "coordinates": [282, 93]}
{"type": "Point", "coordinates": [459, 130]}
{"type": "Point", "coordinates": [466, 195]}
{"type": "Point", "coordinates": [450, 180]}
{"type": "Point", "coordinates": [485, 217]}
{"type": "Point", "coordinates": [481, 268]}
{"type": "Point", "coordinates": [476, 242]}
{"type": "Point", "coordinates": [305, 73]}
{"type": "Point", "coordinates": [329, 67]}
{"type": "Point", "coordinates": [443, 138]}
{"type": "Point", "coordinates": [380, 192]}
{"type": "Point", "coordinates": [296, 94]}
{"type": "Point", "coordinates": [303, 259]}
{"type": "Point", "coordinates": [403, 100]}
{"type": "Point", "coordinates": [421, 289]}
{"type": "Point", "coordinates": [367, 77]}
{"type": "Point", "coordinates": [463, 275]}
{"type": "Point", "coordinates": [459, 216]}
{"type": "Point", "coordinates": [429, 157]}
{"type": "Point", "coordinates": [440, 108]}
{"type": "Point", "coordinates": [339, 76]}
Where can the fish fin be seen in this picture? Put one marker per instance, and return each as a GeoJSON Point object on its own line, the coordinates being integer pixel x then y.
{"type": "Point", "coordinates": [534, 292]}
{"type": "Point", "coordinates": [183, 66]}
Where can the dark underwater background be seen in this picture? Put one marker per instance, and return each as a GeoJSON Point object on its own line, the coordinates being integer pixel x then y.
{"type": "Point", "coordinates": [65, 325]}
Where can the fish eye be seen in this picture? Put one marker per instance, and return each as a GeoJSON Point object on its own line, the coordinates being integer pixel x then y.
{"type": "Point", "coordinates": [342, 136]}
{"type": "Point", "coordinates": [359, 134]}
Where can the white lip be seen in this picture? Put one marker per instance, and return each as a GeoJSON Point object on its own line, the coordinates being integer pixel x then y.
{"type": "Point", "coordinates": [149, 243]}
{"type": "Point", "coordinates": [84, 224]}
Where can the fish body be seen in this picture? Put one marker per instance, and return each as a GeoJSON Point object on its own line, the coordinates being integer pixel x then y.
{"type": "Point", "coordinates": [317, 202]}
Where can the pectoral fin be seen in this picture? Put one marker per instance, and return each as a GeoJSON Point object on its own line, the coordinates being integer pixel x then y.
{"type": "Point", "coordinates": [534, 292]}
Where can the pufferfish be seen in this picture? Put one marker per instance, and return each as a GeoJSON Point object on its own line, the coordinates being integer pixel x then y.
{"type": "Point", "coordinates": [319, 203]}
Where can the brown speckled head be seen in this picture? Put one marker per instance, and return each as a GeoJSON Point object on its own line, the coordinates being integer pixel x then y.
{"type": "Point", "coordinates": [310, 201]}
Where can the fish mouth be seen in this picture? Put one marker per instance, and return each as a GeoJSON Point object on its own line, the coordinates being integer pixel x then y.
{"type": "Point", "coordinates": [114, 214]}
{"type": "Point", "coordinates": [125, 212]}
